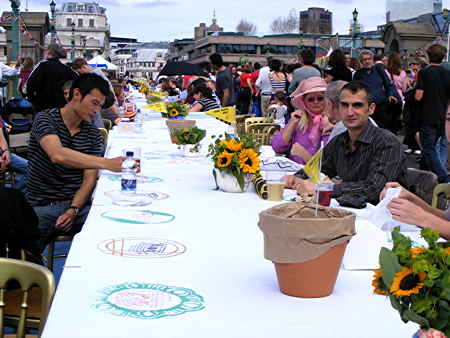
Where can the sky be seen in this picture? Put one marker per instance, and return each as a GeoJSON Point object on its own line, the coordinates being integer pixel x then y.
{"type": "Point", "coordinates": [166, 20]}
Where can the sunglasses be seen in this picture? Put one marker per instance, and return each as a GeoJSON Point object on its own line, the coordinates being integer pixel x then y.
{"type": "Point", "coordinates": [313, 99]}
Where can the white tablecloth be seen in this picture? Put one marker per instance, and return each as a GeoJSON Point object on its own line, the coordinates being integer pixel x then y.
{"type": "Point", "coordinates": [202, 271]}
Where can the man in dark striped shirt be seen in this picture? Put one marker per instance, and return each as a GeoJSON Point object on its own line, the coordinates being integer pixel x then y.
{"type": "Point", "coordinates": [64, 158]}
{"type": "Point", "coordinates": [364, 157]}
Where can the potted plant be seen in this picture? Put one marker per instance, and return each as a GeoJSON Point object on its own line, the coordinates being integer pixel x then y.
{"type": "Point", "coordinates": [235, 160]}
{"type": "Point", "coordinates": [417, 280]}
{"type": "Point", "coordinates": [188, 140]}
{"type": "Point", "coordinates": [176, 112]}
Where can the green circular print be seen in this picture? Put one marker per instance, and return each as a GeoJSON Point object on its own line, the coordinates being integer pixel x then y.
{"type": "Point", "coordinates": [139, 178]}
{"type": "Point", "coordinates": [289, 198]}
{"type": "Point", "coordinates": [146, 301]}
{"type": "Point", "coordinates": [138, 216]}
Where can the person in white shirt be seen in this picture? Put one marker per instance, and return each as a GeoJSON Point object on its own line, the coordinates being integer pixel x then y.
{"type": "Point", "coordinates": [264, 86]}
{"type": "Point", "coordinates": [9, 71]}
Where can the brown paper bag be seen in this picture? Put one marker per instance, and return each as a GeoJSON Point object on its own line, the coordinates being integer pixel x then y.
{"type": "Point", "coordinates": [292, 234]}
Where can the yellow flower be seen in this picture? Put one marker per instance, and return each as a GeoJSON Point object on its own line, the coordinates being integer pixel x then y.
{"type": "Point", "coordinates": [224, 143]}
{"type": "Point", "coordinates": [376, 282]}
{"type": "Point", "coordinates": [234, 146]}
{"type": "Point", "coordinates": [173, 113]}
{"type": "Point", "coordinates": [417, 251]}
{"type": "Point", "coordinates": [249, 161]}
{"type": "Point", "coordinates": [406, 282]}
{"type": "Point", "coordinates": [183, 132]}
{"type": "Point", "coordinates": [448, 250]}
{"type": "Point", "coordinates": [224, 159]}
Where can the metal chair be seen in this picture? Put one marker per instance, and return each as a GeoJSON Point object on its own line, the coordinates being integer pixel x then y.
{"type": "Point", "coordinates": [108, 124]}
{"type": "Point", "coordinates": [26, 307]}
{"type": "Point", "coordinates": [104, 133]}
{"type": "Point", "coordinates": [269, 132]}
{"type": "Point", "coordinates": [260, 131]}
{"type": "Point", "coordinates": [256, 120]}
{"type": "Point", "coordinates": [439, 190]}
{"type": "Point", "coordinates": [240, 122]}
{"type": "Point", "coordinates": [51, 250]}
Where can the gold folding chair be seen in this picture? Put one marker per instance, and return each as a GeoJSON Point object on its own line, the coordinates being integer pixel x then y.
{"type": "Point", "coordinates": [258, 131]}
{"type": "Point", "coordinates": [268, 133]}
{"type": "Point", "coordinates": [104, 133]}
{"type": "Point", "coordinates": [439, 190]}
{"type": "Point", "coordinates": [51, 250]}
{"type": "Point", "coordinates": [256, 120]}
{"type": "Point", "coordinates": [27, 307]}
{"type": "Point", "coordinates": [240, 122]}
{"type": "Point", "coordinates": [108, 124]}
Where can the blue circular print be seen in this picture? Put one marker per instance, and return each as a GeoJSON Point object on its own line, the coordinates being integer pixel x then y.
{"type": "Point", "coordinates": [139, 178]}
{"type": "Point", "coordinates": [146, 301]}
{"type": "Point", "coordinates": [137, 216]}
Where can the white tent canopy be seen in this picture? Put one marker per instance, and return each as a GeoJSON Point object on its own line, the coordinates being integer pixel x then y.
{"type": "Point", "coordinates": [100, 62]}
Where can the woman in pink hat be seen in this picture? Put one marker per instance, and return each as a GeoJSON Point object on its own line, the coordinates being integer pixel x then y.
{"type": "Point", "coordinates": [302, 136]}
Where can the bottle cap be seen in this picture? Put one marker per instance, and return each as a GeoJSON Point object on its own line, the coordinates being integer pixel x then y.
{"type": "Point", "coordinates": [129, 154]}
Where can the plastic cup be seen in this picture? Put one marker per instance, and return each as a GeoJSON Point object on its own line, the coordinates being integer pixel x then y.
{"type": "Point", "coordinates": [275, 190]}
{"type": "Point", "coordinates": [325, 192]}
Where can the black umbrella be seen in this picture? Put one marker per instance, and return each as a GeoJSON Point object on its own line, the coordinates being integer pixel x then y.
{"type": "Point", "coordinates": [182, 68]}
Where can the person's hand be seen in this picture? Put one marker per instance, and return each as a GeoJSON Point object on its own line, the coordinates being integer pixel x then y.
{"type": "Point", "coordinates": [392, 99]}
{"type": "Point", "coordinates": [306, 187]}
{"type": "Point", "coordinates": [407, 212]}
{"type": "Point", "coordinates": [431, 333]}
{"type": "Point", "coordinates": [296, 116]}
{"type": "Point", "coordinates": [403, 194]}
{"type": "Point", "coordinates": [8, 127]}
{"type": "Point", "coordinates": [65, 221]}
{"type": "Point", "coordinates": [300, 151]}
{"type": "Point", "coordinates": [115, 164]}
{"type": "Point", "coordinates": [291, 182]}
{"type": "Point", "coordinates": [327, 129]}
{"type": "Point", "coordinates": [6, 158]}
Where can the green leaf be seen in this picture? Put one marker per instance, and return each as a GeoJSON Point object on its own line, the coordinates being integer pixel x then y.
{"type": "Point", "coordinates": [389, 266]}
{"type": "Point", "coordinates": [414, 317]}
{"type": "Point", "coordinates": [215, 180]}
{"type": "Point", "coordinates": [396, 304]}
{"type": "Point", "coordinates": [431, 236]}
{"type": "Point", "coordinates": [446, 280]}
{"type": "Point", "coordinates": [240, 179]}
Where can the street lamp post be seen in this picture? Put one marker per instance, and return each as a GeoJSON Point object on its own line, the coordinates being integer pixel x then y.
{"type": "Point", "coordinates": [53, 23]}
{"type": "Point", "coordinates": [354, 32]}
{"type": "Point", "coordinates": [83, 41]}
{"type": "Point", "coordinates": [447, 18]}
{"type": "Point", "coordinates": [72, 52]}
{"type": "Point", "coordinates": [15, 4]}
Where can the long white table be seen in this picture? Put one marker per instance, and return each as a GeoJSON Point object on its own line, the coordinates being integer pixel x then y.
{"type": "Point", "coordinates": [194, 267]}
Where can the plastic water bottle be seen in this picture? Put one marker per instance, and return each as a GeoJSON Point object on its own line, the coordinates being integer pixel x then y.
{"type": "Point", "coordinates": [138, 121]}
{"type": "Point", "coordinates": [128, 183]}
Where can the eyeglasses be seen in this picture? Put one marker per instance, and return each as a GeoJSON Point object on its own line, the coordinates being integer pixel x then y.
{"type": "Point", "coordinates": [318, 99]}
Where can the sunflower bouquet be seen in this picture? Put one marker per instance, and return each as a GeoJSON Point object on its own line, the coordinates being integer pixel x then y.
{"type": "Point", "coordinates": [176, 109]}
{"type": "Point", "coordinates": [417, 280]}
{"type": "Point", "coordinates": [235, 156]}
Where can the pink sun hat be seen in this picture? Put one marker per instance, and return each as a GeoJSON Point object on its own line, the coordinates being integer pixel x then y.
{"type": "Point", "coordinates": [310, 85]}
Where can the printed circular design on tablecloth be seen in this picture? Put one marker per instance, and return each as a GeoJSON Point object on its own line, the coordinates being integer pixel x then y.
{"type": "Point", "coordinates": [144, 193]}
{"type": "Point", "coordinates": [147, 301]}
{"type": "Point", "coordinates": [138, 216]}
{"type": "Point", "coordinates": [141, 247]}
{"type": "Point", "coordinates": [289, 198]}
{"type": "Point", "coordinates": [139, 178]}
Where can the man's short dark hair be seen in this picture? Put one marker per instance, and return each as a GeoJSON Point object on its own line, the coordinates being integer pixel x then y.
{"type": "Point", "coordinates": [56, 51]}
{"type": "Point", "coordinates": [378, 57]}
{"type": "Point", "coordinates": [308, 57]}
{"type": "Point", "coordinates": [257, 66]}
{"type": "Point", "coordinates": [216, 59]}
{"type": "Point", "coordinates": [436, 53]}
{"type": "Point", "coordinates": [78, 63]}
{"type": "Point", "coordinates": [86, 83]}
{"type": "Point", "coordinates": [356, 86]}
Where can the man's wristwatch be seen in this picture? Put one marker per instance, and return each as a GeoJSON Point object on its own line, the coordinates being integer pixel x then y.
{"type": "Point", "coordinates": [74, 208]}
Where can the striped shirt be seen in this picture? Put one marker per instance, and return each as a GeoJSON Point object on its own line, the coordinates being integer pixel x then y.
{"type": "Point", "coordinates": [48, 181]}
{"type": "Point", "coordinates": [207, 104]}
{"type": "Point", "coordinates": [377, 159]}
{"type": "Point", "coordinates": [277, 86]}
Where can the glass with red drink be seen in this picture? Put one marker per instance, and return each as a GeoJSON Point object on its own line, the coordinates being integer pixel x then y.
{"type": "Point", "coordinates": [325, 191]}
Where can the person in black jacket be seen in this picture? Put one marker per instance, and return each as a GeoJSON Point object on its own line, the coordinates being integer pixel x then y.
{"type": "Point", "coordinates": [45, 84]}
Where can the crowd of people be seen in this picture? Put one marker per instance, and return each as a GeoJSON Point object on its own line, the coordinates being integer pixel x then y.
{"type": "Point", "coordinates": [352, 110]}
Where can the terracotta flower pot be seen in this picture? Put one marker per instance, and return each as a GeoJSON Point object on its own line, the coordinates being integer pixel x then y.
{"type": "Point", "coordinates": [313, 278]}
{"type": "Point", "coordinates": [178, 124]}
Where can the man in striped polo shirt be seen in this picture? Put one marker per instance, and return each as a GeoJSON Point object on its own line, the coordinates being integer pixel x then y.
{"type": "Point", "coordinates": [64, 158]}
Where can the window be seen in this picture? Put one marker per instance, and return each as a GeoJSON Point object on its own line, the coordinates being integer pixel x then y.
{"type": "Point", "coordinates": [80, 22]}
{"type": "Point", "coordinates": [91, 22]}
{"type": "Point", "coordinates": [70, 8]}
{"type": "Point", "coordinates": [90, 9]}
{"type": "Point", "coordinates": [80, 8]}
{"type": "Point", "coordinates": [69, 22]}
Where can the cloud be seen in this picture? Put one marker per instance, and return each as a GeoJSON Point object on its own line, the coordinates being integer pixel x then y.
{"type": "Point", "coordinates": [140, 3]}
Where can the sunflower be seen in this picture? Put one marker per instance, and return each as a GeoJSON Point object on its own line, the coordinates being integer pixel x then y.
{"type": "Point", "coordinates": [183, 132]}
{"type": "Point", "coordinates": [173, 113]}
{"type": "Point", "coordinates": [417, 251]}
{"type": "Point", "coordinates": [234, 146]}
{"type": "Point", "coordinates": [406, 282]}
{"type": "Point", "coordinates": [376, 282]}
{"type": "Point", "coordinates": [224, 159]}
{"type": "Point", "coordinates": [224, 143]}
{"type": "Point", "coordinates": [249, 161]}
{"type": "Point", "coordinates": [448, 250]}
